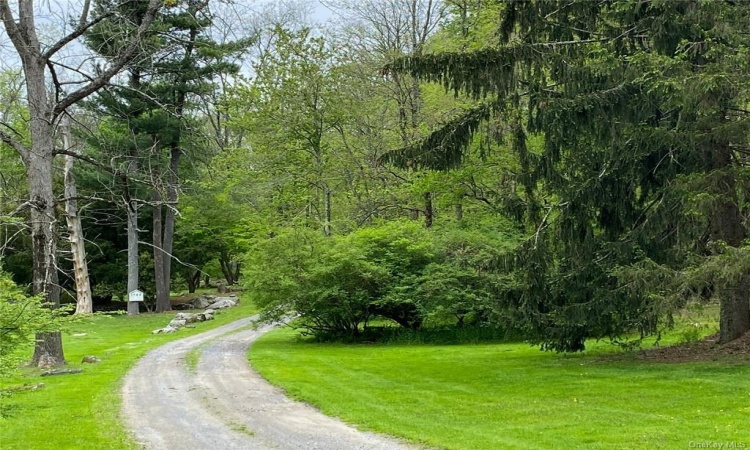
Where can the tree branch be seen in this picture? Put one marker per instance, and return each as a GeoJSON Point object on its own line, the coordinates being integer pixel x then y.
{"type": "Point", "coordinates": [27, 27]}
{"type": "Point", "coordinates": [17, 146]}
{"type": "Point", "coordinates": [126, 55]}
{"type": "Point", "coordinates": [78, 32]}
{"type": "Point", "coordinates": [72, 69]}
{"type": "Point", "coordinates": [116, 172]}
{"type": "Point", "coordinates": [55, 80]}
{"type": "Point", "coordinates": [84, 13]}
{"type": "Point", "coordinates": [11, 27]}
{"type": "Point", "coordinates": [11, 129]}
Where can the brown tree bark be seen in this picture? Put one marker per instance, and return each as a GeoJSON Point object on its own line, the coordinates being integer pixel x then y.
{"type": "Point", "coordinates": [428, 211]}
{"type": "Point", "coordinates": [170, 214]}
{"type": "Point", "coordinates": [38, 161]}
{"type": "Point", "coordinates": [237, 270]}
{"type": "Point", "coordinates": [44, 110]}
{"type": "Point", "coordinates": [226, 268]}
{"type": "Point", "coordinates": [193, 281]}
{"type": "Point", "coordinates": [726, 225]}
{"type": "Point", "coordinates": [162, 287]}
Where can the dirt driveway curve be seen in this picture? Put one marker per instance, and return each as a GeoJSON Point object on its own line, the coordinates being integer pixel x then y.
{"type": "Point", "coordinates": [223, 404]}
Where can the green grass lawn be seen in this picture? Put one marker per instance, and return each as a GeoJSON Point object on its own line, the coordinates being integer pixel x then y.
{"type": "Point", "coordinates": [493, 396]}
{"type": "Point", "coordinates": [81, 411]}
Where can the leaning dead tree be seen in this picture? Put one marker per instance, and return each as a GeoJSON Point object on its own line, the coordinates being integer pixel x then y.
{"type": "Point", "coordinates": [84, 302]}
{"type": "Point", "coordinates": [41, 68]}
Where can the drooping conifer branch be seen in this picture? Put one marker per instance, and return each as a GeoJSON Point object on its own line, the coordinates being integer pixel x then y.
{"type": "Point", "coordinates": [444, 148]}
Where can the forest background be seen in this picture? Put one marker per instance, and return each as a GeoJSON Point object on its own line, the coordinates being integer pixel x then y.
{"type": "Point", "coordinates": [550, 171]}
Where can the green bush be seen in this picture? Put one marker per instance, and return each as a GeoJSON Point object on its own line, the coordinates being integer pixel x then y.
{"type": "Point", "coordinates": [462, 285]}
{"type": "Point", "coordinates": [337, 285]}
{"type": "Point", "coordinates": [275, 271]}
{"type": "Point", "coordinates": [20, 317]}
{"type": "Point", "coordinates": [397, 271]}
{"type": "Point", "coordinates": [339, 291]}
{"type": "Point", "coordinates": [404, 250]}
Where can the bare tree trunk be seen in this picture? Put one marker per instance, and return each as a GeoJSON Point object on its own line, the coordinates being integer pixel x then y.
{"type": "Point", "coordinates": [237, 268]}
{"type": "Point", "coordinates": [169, 217]}
{"type": "Point", "coordinates": [43, 111]}
{"type": "Point", "coordinates": [133, 269]}
{"type": "Point", "coordinates": [84, 304]}
{"type": "Point", "coordinates": [226, 269]}
{"type": "Point", "coordinates": [48, 350]}
{"type": "Point", "coordinates": [327, 208]}
{"type": "Point", "coordinates": [193, 280]}
{"type": "Point", "coordinates": [726, 225]}
{"type": "Point", "coordinates": [428, 212]}
{"type": "Point", "coordinates": [162, 287]}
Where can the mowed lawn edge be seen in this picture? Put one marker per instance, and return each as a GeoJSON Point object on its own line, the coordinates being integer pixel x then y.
{"type": "Point", "coordinates": [490, 396]}
{"type": "Point", "coordinates": [82, 411]}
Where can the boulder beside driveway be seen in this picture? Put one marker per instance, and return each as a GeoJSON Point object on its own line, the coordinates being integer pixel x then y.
{"type": "Point", "coordinates": [181, 319]}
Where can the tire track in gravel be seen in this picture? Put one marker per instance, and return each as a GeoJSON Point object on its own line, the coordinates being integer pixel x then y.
{"type": "Point", "coordinates": [223, 404]}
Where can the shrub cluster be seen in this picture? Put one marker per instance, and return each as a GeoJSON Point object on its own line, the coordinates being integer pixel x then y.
{"type": "Point", "coordinates": [395, 274]}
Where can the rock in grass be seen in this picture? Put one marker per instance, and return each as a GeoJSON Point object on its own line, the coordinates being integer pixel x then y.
{"type": "Point", "coordinates": [90, 359]}
{"type": "Point", "coordinates": [224, 302]}
{"type": "Point", "coordinates": [28, 387]}
{"type": "Point", "coordinates": [167, 329]}
{"type": "Point", "coordinates": [196, 303]}
{"type": "Point", "coordinates": [187, 317]}
{"type": "Point", "coordinates": [202, 301]}
{"type": "Point", "coordinates": [206, 315]}
{"type": "Point", "coordinates": [177, 323]}
{"type": "Point", "coordinates": [181, 319]}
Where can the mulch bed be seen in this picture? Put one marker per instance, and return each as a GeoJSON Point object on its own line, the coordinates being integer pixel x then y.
{"type": "Point", "coordinates": [707, 349]}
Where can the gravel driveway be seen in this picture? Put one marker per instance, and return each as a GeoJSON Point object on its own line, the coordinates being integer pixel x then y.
{"type": "Point", "coordinates": [223, 404]}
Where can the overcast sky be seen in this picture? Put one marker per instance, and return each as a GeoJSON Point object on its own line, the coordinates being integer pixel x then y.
{"type": "Point", "coordinates": [321, 13]}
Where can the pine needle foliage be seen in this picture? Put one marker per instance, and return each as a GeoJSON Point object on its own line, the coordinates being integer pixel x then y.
{"type": "Point", "coordinates": [642, 108]}
{"type": "Point", "coordinates": [444, 148]}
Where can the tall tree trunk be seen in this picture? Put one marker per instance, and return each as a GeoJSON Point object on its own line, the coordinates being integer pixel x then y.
{"type": "Point", "coordinates": [226, 269]}
{"type": "Point", "coordinates": [162, 287]}
{"type": "Point", "coordinates": [327, 208]}
{"type": "Point", "coordinates": [84, 304]}
{"type": "Point", "coordinates": [428, 212]}
{"type": "Point", "coordinates": [169, 219]}
{"type": "Point", "coordinates": [131, 208]}
{"type": "Point", "coordinates": [237, 268]}
{"type": "Point", "coordinates": [48, 350]}
{"type": "Point", "coordinates": [133, 269]}
{"type": "Point", "coordinates": [173, 178]}
{"type": "Point", "coordinates": [193, 280]}
{"type": "Point", "coordinates": [726, 225]}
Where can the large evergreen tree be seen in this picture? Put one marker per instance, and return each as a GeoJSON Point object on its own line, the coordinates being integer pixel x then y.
{"type": "Point", "coordinates": [178, 65]}
{"type": "Point", "coordinates": [634, 198]}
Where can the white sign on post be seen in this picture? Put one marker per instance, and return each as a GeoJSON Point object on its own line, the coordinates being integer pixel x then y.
{"type": "Point", "coordinates": [135, 296]}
